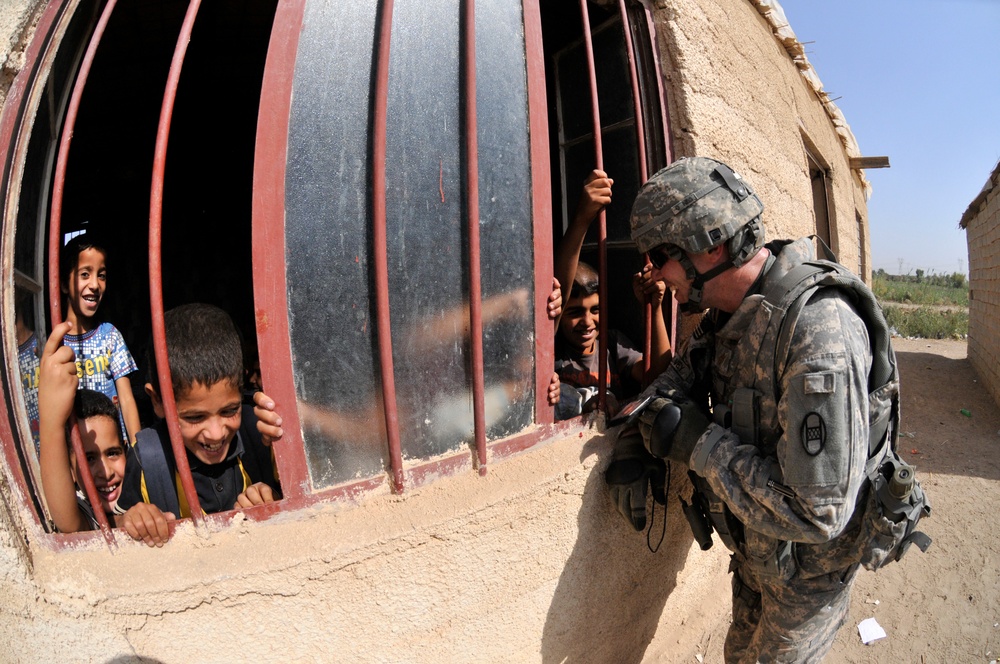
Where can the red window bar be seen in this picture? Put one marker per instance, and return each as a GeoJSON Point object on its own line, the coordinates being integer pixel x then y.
{"type": "Point", "coordinates": [269, 244]}
{"type": "Point", "coordinates": [55, 246]}
{"type": "Point", "coordinates": [380, 259]}
{"type": "Point", "coordinates": [602, 226]}
{"type": "Point", "coordinates": [472, 196]}
{"type": "Point", "coordinates": [668, 154]}
{"type": "Point", "coordinates": [541, 206]}
{"type": "Point", "coordinates": [156, 267]}
{"type": "Point", "coordinates": [640, 137]}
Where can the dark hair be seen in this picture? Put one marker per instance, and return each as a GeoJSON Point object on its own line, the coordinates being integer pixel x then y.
{"type": "Point", "coordinates": [585, 282]}
{"type": "Point", "coordinates": [69, 257]}
{"type": "Point", "coordinates": [203, 346]}
{"type": "Point", "coordinates": [90, 403]}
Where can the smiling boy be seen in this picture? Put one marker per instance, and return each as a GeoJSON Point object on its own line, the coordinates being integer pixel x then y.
{"type": "Point", "coordinates": [97, 420]}
{"type": "Point", "coordinates": [230, 461]}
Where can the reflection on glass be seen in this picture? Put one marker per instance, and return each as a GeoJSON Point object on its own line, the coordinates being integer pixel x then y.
{"type": "Point", "coordinates": [330, 280]}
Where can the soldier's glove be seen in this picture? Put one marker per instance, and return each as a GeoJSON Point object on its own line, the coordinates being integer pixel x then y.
{"type": "Point", "coordinates": [631, 473]}
{"type": "Point", "coordinates": [671, 426]}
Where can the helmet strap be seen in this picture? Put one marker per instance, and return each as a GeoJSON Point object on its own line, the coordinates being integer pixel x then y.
{"type": "Point", "coordinates": [698, 280]}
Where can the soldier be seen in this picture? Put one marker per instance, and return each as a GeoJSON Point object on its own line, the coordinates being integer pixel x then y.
{"type": "Point", "coordinates": [779, 459]}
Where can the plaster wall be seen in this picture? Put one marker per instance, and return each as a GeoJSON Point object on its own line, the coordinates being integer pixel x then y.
{"type": "Point", "coordinates": [529, 562]}
{"type": "Point", "coordinates": [982, 229]}
{"type": "Point", "coordinates": [740, 89]}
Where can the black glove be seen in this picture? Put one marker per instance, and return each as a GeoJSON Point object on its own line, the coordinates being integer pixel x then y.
{"type": "Point", "coordinates": [630, 474]}
{"type": "Point", "coordinates": [671, 426]}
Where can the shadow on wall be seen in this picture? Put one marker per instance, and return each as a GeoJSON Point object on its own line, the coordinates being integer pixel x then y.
{"type": "Point", "coordinates": [612, 591]}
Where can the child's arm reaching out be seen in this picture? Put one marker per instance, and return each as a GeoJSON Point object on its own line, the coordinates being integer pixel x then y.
{"type": "Point", "coordinates": [56, 394]}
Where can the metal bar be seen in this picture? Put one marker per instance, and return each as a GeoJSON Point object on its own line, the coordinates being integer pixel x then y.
{"type": "Point", "coordinates": [156, 265]}
{"type": "Point", "coordinates": [667, 139]}
{"type": "Point", "coordinates": [268, 218]}
{"type": "Point", "coordinates": [640, 139]}
{"type": "Point", "coordinates": [380, 259]}
{"type": "Point", "coordinates": [602, 224]}
{"type": "Point", "coordinates": [55, 247]}
{"type": "Point", "coordinates": [541, 207]}
{"type": "Point", "coordinates": [472, 196]}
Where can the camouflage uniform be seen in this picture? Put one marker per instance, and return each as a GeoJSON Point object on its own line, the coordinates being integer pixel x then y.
{"type": "Point", "coordinates": [795, 564]}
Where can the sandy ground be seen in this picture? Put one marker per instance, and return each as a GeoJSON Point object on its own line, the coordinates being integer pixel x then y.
{"type": "Point", "coordinates": [943, 605]}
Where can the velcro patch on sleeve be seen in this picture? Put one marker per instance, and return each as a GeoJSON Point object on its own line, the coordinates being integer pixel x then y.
{"type": "Point", "coordinates": [821, 383]}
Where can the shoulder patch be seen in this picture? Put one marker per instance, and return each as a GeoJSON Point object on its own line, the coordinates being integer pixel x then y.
{"type": "Point", "coordinates": [813, 434]}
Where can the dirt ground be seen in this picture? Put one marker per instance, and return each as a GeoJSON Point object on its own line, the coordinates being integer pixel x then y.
{"type": "Point", "coordinates": [943, 605]}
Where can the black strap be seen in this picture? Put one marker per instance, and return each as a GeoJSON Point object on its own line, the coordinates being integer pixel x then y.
{"type": "Point", "coordinates": [157, 469]}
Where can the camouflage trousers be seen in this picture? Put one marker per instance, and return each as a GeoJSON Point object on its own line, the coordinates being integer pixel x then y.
{"type": "Point", "coordinates": [794, 620]}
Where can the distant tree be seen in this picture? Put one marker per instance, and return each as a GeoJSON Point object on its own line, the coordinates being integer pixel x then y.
{"type": "Point", "coordinates": [920, 275]}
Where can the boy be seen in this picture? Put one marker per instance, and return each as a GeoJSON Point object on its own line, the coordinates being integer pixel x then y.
{"type": "Point", "coordinates": [97, 420]}
{"type": "Point", "coordinates": [103, 361]}
{"type": "Point", "coordinates": [576, 340]}
{"type": "Point", "coordinates": [227, 448]}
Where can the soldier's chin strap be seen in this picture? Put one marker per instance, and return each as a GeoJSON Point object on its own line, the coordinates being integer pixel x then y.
{"type": "Point", "coordinates": [698, 279]}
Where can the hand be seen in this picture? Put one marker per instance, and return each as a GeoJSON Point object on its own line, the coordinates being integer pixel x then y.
{"type": "Point", "coordinates": [643, 285]}
{"type": "Point", "coordinates": [256, 494]}
{"type": "Point", "coordinates": [596, 194]}
{"type": "Point", "coordinates": [268, 421]}
{"type": "Point", "coordinates": [630, 474]}
{"type": "Point", "coordinates": [555, 300]}
{"type": "Point", "coordinates": [554, 387]}
{"type": "Point", "coordinates": [671, 426]}
{"type": "Point", "coordinates": [57, 379]}
{"type": "Point", "coordinates": [146, 523]}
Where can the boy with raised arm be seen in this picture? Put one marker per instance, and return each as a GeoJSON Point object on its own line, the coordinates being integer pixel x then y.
{"type": "Point", "coordinates": [97, 419]}
{"type": "Point", "coordinates": [576, 339]}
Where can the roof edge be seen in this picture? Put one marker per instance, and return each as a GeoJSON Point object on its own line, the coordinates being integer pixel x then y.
{"type": "Point", "coordinates": [771, 10]}
{"type": "Point", "coordinates": [977, 203]}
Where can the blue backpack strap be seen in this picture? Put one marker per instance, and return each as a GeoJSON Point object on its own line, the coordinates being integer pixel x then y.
{"type": "Point", "coordinates": [156, 459]}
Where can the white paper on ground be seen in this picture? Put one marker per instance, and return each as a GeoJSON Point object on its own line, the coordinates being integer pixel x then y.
{"type": "Point", "coordinates": [870, 630]}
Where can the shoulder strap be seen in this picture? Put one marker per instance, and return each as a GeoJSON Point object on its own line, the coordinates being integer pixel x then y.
{"type": "Point", "coordinates": [158, 484]}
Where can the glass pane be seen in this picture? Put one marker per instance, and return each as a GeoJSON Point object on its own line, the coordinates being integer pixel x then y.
{"type": "Point", "coordinates": [327, 234]}
{"type": "Point", "coordinates": [330, 273]}
{"type": "Point", "coordinates": [505, 217]}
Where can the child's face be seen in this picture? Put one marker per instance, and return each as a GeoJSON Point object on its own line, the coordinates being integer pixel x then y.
{"type": "Point", "coordinates": [85, 285]}
{"type": "Point", "coordinates": [102, 443]}
{"type": "Point", "coordinates": [209, 417]}
{"type": "Point", "coordinates": [579, 321]}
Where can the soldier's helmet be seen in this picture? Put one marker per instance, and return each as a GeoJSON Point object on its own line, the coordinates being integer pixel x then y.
{"type": "Point", "coordinates": [695, 204]}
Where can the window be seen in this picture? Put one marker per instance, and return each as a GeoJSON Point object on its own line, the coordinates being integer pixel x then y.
{"type": "Point", "coordinates": [823, 213]}
{"type": "Point", "coordinates": [318, 184]}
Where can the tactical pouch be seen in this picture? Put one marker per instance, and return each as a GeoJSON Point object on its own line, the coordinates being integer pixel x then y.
{"type": "Point", "coordinates": [896, 502]}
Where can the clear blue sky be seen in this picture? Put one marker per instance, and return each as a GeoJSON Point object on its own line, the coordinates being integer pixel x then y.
{"type": "Point", "coordinates": [919, 82]}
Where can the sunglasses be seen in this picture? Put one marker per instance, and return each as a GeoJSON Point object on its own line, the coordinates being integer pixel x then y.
{"type": "Point", "coordinates": [659, 256]}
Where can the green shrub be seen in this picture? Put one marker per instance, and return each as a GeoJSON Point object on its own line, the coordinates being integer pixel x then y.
{"type": "Point", "coordinates": [928, 323]}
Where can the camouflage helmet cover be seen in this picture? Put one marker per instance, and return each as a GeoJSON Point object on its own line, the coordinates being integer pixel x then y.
{"type": "Point", "coordinates": [696, 203]}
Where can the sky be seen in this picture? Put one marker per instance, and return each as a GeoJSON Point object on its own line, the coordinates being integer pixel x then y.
{"type": "Point", "coordinates": [918, 81]}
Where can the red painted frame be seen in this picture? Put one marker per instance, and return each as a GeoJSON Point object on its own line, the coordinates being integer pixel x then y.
{"type": "Point", "coordinates": [602, 224]}
{"type": "Point", "coordinates": [55, 247]}
{"type": "Point", "coordinates": [13, 146]}
{"type": "Point", "coordinates": [269, 282]}
{"type": "Point", "coordinates": [472, 201]}
{"type": "Point", "coordinates": [156, 264]}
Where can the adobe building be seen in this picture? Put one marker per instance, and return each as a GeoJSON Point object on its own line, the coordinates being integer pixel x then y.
{"type": "Point", "coordinates": [981, 222]}
{"type": "Point", "coordinates": [373, 191]}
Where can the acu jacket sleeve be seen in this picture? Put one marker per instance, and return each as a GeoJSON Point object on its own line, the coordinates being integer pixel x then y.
{"type": "Point", "coordinates": [823, 446]}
